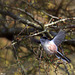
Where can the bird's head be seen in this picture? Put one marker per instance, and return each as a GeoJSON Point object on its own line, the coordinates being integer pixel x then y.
{"type": "Point", "coordinates": [43, 39]}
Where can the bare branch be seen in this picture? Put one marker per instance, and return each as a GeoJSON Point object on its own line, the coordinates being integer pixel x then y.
{"type": "Point", "coordinates": [27, 13]}
{"type": "Point", "coordinates": [70, 42]}
{"type": "Point", "coordinates": [18, 18]}
{"type": "Point", "coordinates": [14, 31]}
{"type": "Point", "coordinates": [50, 15]}
{"type": "Point", "coordinates": [61, 20]}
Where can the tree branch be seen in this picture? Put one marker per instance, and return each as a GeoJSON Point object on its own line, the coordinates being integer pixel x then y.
{"type": "Point", "coordinates": [25, 12]}
{"type": "Point", "coordinates": [21, 20]}
{"type": "Point", "coordinates": [14, 31]}
{"type": "Point", "coordinates": [61, 20]}
{"type": "Point", "coordinates": [70, 42]}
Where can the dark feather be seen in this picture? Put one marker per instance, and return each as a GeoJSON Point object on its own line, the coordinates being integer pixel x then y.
{"type": "Point", "coordinates": [61, 56]}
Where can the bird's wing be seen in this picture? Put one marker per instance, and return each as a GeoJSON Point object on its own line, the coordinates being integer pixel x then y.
{"type": "Point", "coordinates": [59, 37]}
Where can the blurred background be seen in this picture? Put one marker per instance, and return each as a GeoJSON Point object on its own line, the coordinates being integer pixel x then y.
{"type": "Point", "coordinates": [21, 22]}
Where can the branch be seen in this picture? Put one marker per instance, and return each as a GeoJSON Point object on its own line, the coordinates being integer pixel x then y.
{"type": "Point", "coordinates": [61, 20]}
{"type": "Point", "coordinates": [37, 8]}
{"type": "Point", "coordinates": [21, 20]}
{"type": "Point", "coordinates": [14, 31]}
{"type": "Point", "coordinates": [50, 15]}
{"type": "Point", "coordinates": [27, 13]}
{"type": "Point", "coordinates": [70, 42]}
{"type": "Point", "coordinates": [70, 26]}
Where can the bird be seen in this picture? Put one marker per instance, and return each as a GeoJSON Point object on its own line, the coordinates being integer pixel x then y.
{"type": "Point", "coordinates": [51, 46]}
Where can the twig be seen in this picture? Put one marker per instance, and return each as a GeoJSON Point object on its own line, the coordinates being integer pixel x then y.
{"type": "Point", "coordinates": [18, 62]}
{"type": "Point", "coordinates": [19, 19]}
{"type": "Point", "coordinates": [37, 33]}
{"type": "Point", "coordinates": [22, 30]}
{"type": "Point", "coordinates": [50, 15]}
{"type": "Point", "coordinates": [66, 69]}
{"type": "Point", "coordinates": [23, 11]}
{"type": "Point", "coordinates": [61, 20]}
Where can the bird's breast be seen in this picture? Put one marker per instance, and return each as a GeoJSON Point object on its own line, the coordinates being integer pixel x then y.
{"type": "Point", "coordinates": [50, 47]}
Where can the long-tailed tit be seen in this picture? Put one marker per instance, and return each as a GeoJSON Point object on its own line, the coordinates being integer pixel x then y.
{"type": "Point", "coordinates": [51, 47]}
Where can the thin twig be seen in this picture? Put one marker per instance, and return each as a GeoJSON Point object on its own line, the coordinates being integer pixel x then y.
{"type": "Point", "coordinates": [23, 11]}
{"type": "Point", "coordinates": [37, 33]}
{"type": "Point", "coordinates": [50, 15]}
{"type": "Point", "coordinates": [61, 20]}
{"type": "Point", "coordinates": [66, 69]}
{"type": "Point", "coordinates": [22, 30]}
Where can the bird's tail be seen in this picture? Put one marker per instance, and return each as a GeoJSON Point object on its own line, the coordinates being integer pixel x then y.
{"type": "Point", "coordinates": [61, 56]}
